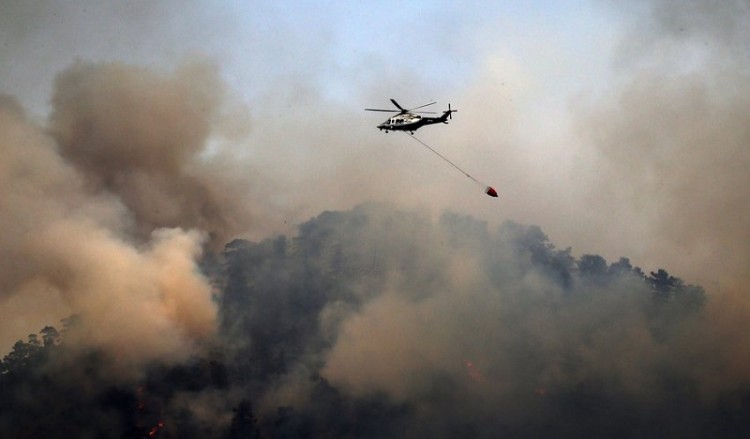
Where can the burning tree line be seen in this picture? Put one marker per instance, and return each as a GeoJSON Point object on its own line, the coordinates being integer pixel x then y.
{"type": "Point", "coordinates": [564, 346]}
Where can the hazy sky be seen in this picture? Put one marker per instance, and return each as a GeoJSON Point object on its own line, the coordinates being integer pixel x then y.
{"type": "Point", "coordinates": [511, 68]}
{"type": "Point", "coordinates": [337, 47]}
{"type": "Point", "coordinates": [619, 129]}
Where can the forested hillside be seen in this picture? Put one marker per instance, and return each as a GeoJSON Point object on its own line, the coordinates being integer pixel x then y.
{"type": "Point", "coordinates": [378, 322]}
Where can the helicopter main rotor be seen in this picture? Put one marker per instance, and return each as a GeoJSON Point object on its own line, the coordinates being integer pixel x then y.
{"type": "Point", "coordinates": [402, 110]}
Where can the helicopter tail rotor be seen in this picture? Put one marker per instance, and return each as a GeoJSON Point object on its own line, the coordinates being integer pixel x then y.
{"type": "Point", "coordinates": [448, 114]}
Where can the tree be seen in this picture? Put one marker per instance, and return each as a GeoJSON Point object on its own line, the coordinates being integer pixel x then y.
{"type": "Point", "coordinates": [593, 266]}
{"type": "Point", "coordinates": [22, 356]}
{"type": "Point", "coordinates": [50, 336]}
{"type": "Point", "coordinates": [622, 267]}
{"type": "Point", "coordinates": [244, 424]}
{"type": "Point", "coordinates": [663, 285]}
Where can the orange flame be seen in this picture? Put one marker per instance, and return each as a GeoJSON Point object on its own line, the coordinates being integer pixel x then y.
{"type": "Point", "coordinates": [473, 372]}
{"type": "Point", "coordinates": [155, 429]}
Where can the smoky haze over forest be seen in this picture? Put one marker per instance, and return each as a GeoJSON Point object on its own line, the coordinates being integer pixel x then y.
{"type": "Point", "coordinates": [380, 322]}
{"type": "Point", "coordinates": [178, 235]}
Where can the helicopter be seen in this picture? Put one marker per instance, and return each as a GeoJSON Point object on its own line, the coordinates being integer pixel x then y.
{"type": "Point", "coordinates": [409, 120]}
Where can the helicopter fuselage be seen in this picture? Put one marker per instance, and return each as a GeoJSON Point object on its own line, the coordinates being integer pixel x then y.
{"type": "Point", "coordinates": [410, 122]}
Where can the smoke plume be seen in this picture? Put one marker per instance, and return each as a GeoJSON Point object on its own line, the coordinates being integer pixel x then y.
{"type": "Point", "coordinates": [454, 327]}
{"type": "Point", "coordinates": [671, 140]}
{"type": "Point", "coordinates": [382, 321]}
{"type": "Point", "coordinates": [107, 215]}
{"type": "Point", "coordinates": [136, 134]}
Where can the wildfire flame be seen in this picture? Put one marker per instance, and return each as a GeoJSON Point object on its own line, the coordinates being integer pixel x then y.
{"type": "Point", "coordinates": [472, 371]}
{"type": "Point", "coordinates": [155, 429]}
{"type": "Point", "coordinates": [140, 405]}
{"type": "Point", "coordinates": [144, 415]}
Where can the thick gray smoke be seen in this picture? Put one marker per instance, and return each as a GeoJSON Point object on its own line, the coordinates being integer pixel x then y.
{"type": "Point", "coordinates": [107, 215]}
{"type": "Point", "coordinates": [672, 139]}
{"type": "Point", "coordinates": [380, 321]}
{"type": "Point", "coordinates": [137, 134]}
{"type": "Point", "coordinates": [383, 322]}
{"type": "Point", "coordinates": [672, 153]}
{"type": "Point", "coordinates": [461, 327]}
